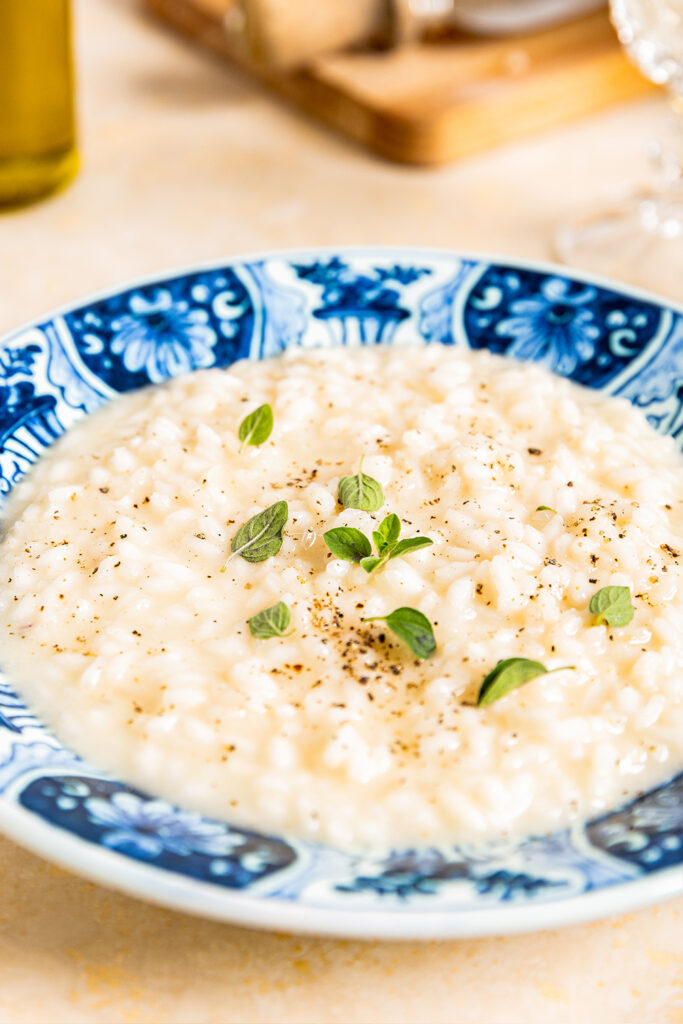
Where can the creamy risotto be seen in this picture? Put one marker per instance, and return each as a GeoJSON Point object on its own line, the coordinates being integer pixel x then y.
{"type": "Point", "coordinates": [120, 628]}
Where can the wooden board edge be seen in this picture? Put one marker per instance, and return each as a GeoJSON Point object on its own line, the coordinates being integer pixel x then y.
{"type": "Point", "coordinates": [446, 136]}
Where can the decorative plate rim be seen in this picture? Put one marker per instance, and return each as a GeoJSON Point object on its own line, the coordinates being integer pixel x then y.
{"type": "Point", "coordinates": [434, 251]}
{"type": "Point", "coordinates": [167, 888]}
{"type": "Point", "coordinates": [200, 899]}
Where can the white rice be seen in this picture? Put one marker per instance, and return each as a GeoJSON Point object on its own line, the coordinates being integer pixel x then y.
{"type": "Point", "coordinates": [119, 628]}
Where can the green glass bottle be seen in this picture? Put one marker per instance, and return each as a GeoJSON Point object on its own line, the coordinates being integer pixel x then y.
{"type": "Point", "coordinates": [37, 132]}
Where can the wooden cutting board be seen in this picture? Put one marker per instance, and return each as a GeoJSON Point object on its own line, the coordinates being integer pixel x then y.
{"type": "Point", "coordinates": [435, 102]}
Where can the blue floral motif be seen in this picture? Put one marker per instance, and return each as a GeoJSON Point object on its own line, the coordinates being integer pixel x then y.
{"type": "Point", "coordinates": [511, 885]}
{"type": "Point", "coordinates": [162, 337]}
{"type": "Point", "coordinates": [13, 713]}
{"type": "Point", "coordinates": [28, 420]}
{"type": "Point", "coordinates": [125, 820]}
{"type": "Point", "coordinates": [426, 872]}
{"type": "Point", "coordinates": [556, 327]}
{"type": "Point", "coordinates": [360, 305]}
{"type": "Point", "coordinates": [158, 331]}
{"type": "Point", "coordinates": [657, 386]}
{"type": "Point", "coordinates": [149, 827]}
{"type": "Point", "coordinates": [24, 755]}
{"type": "Point", "coordinates": [401, 885]}
{"type": "Point", "coordinates": [648, 832]}
{"type": "Point", "coordinates": [407, 874]}
{"type": "Point", "coordinates": [436, 309]}
{"type": "Point", "coordinates": [16, 386]}
{"type": "Point", "coordinates": [588, 333]}
{"type": "Point", "coordinates": [284, 317]}
{"type": "Point", "coordinates": [345, 288]}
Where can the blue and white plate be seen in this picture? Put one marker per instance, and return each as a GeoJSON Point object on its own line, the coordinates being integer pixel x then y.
{"type": "Point", "coordinates": [62, 367]}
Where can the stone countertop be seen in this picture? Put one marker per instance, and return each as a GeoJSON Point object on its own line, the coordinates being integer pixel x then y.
{"type": "Point", "coordinates": [184, 161]}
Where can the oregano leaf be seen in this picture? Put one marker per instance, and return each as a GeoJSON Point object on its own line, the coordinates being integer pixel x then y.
{"type": "Point", "coordinates": [261, 536]}
{"type": "Point", "coordinates": [412, 627]}
{"type": "Point", "coordinates": [273, 621]}
{"type": "Point", "coordinates": [409, 544]}
{"type": "Point", "coordinates": [508, 675]}
{"type": "Point", "coordinates": [348, 543]}
{"type": "Point", "coordinates": [360, 491]}
{"type": "Point", "coordinates": [612, 605]}
{"type": "Point", "coordinates": [256, 427]}
{"type": "Point", "coordinates": [387, 533]}
{"type": "Point", "coordinates": [372, 563]}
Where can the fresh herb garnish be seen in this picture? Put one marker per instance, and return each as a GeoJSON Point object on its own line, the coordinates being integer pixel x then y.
{"type": "Point", "coordinates": [273, 621]}
{"type": "Point", "coordinates": [261, 536]}
{"type": "Point", "coordinates": [389, 546]}
{"type": "Point", "coordinates": [409, 544]}
{"type": "Point", "coordinates": [348, 543]}
{"type": "Point", "coordinates": [387, 533]}
{"type": "Point", "coordinates": [412, 627]}
{"type": "Point", "coordinates": [256, 427]}
{"type": "Point", "coordinates": [371, 563]}
{"type": "Point", "coordinates": [360, 491]}
{"type": "Point", "coordinates": [612, 605]}
{"type": "Point", "coordinates": [395, 550]}
{"type": "Point", "coordinates": [546, 508]}
{"type": "Point", "coordinates": [508, 675]}
{"type": "Point", "coordinates": [353, 546]}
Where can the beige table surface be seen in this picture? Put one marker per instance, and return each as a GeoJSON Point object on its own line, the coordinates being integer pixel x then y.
{"type": "Point", "coordinates": [186, 161]}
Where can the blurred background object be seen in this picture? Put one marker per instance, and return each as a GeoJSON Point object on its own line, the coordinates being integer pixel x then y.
{"type": "Point", "coordinates": [287, 33]}
{"type": "Point", "coordinates": [431, 100]}
{"type": "Point", "coordinates": [37, 135]}
{"type": "Point", "coordinates": [638, 236]}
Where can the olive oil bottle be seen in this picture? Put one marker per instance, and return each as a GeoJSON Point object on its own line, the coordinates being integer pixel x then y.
{"type": "Point", "coordinates": [37, 134]}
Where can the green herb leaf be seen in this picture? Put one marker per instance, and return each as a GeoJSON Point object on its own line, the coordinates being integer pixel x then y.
{"type": "Point", "coordinates": [360, 491]}
{"type": "Point", "coordinates": [353, 546]}
{"type": "Point", "coordinates": [261, 536]}
{"type": "Point", "coordinates": [507, 676]}
{"type": "Point", "coordinates": [389, 546]}
{"type": "Point", "coordinates": [348, 543]}
{"type": "Point", "coordinates": [412, 627]}
{"type": "Point", "coordinates": [409, 544]}
{"type": "Point", "coordinates": [272, 621]}
{"type": "Point", "coordinates": [387, 533]}
{"type": "Point", "coordinates": [612, 605]}
{"type": "Point", "coordinates": [370, 564]}
{"type": "Point", "coordinates": [546, 508]}
{"type": "Point", "coordinates": [256, 427]}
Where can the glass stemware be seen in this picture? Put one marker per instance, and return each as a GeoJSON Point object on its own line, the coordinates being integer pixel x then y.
{"type": "Point", "coordinates": [639, 238]}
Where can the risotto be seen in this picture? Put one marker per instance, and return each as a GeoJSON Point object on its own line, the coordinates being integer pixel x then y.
{"type": "Point", "coordinates": [133, 583]}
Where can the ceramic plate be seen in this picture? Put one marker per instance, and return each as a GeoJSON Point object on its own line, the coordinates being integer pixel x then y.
{"type": "Point", "coordinates": [62, 367]}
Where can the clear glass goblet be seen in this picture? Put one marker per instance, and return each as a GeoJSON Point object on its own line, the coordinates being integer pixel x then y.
{"type": "Point", "coordinates": [639, 238]}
